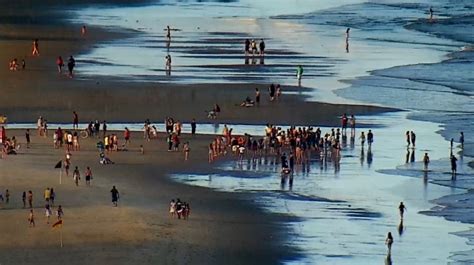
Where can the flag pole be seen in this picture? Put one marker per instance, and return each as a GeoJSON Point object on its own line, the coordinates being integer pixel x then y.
{"type": "Point", "coordinates": [61, 236]}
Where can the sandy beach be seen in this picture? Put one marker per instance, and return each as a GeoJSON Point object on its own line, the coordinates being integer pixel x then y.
{"type": "Point", "coordinates": [245, 215]}
{"type": "Point", "coordinates": [140, 229]}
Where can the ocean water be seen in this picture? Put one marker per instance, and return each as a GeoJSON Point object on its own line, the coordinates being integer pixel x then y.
{"type": "Point", "coordinates": [395, 57]}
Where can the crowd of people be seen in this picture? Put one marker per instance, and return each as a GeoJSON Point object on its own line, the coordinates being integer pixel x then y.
{"type": "Point", "coordinates": [179, 209]}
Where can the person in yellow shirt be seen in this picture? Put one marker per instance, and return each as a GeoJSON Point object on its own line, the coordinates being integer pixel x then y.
{"type": "Point", "coordinates": [47, 194]}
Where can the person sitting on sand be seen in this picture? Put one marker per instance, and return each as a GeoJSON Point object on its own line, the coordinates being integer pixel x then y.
{"type": "Point", "coordinates": [13, 65]}
{"type": "Point", "coordinates": [248, 102]}
{"type": "Point", "coordinates": [103, 160]}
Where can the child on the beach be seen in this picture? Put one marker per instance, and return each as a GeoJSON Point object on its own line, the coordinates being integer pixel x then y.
{"type": "Point", "coordinates": [31, 218]}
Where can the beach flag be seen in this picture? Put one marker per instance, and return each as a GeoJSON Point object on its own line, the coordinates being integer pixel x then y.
{"type": "Point", "coordinates": [59, 164]}
{"type": "Point", "coordinates": [58, 224]}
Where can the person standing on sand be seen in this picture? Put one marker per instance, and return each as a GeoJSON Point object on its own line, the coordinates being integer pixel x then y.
{"type": "Point", "coordinates": [193, 127]}
{"type": "Point", "coordinates": [402, 209]}
{"type": "Point", "coordinates": [115, 196]}
{"type": "Point", "coordinates": [52, 196]}
{"type": "Point", "coordinates": [186, 150]}
{"type": "Point", "coordinates": [30, 199]}
{"type": "Point", "coordinates": [246, 47]}
{"type": "Point", "coordinates": [23, 198]}
{"type": "Point", "coordinates": [75, 120]}
{"type": "Point", "coordinates": [172, 208]}
{"type": "Point", "coordinates": [299, 74]}
{"type": "Point", "coordinates": [352, 123]}
{"type": "Point", "coordinates": [76, 175]}
{"type": "Point", "coordinates": [7, 196]}
{"type": "Point", "coordinates": [31, 219]}
{"type": "Point", "coordinates": [257, 96]}
{"type": "Point", "coordinates": [262, 47]}
{"type": "Point", "coordinates": [83, 31]}
{"type": "Point", "coordinates": [431, 14]}
{"type": "Point", "coordinates": [60, 64]}
{"type": "Point", "coordinates": [104, 128]}
{"type": "Point", "coordinates": [271, 91]}
{"type": "Point", "coordinates": [426, 161]}
{"type": "Point", "coordinates": [389, 242]}
{"type": "Point", "coordinates": [453, 160]}
{"type": "Point", "coordinates": [88, 174]}
{"type": "Point", "coordinates": [126, 135]}
{"type": "Point", "coordinates": [407, 136]}
{"type": "Point", "coordinates": [70, 65]}
{"type": "Point", "coordinates": [461, 140]}
{"type": "Point", "coordinates": [35, 51]}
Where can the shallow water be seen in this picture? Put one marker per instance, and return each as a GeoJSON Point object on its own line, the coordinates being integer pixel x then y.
{"type": "Point", "coordinates": [347, 213]}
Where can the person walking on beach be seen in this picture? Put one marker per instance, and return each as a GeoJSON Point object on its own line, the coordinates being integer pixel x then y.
{"type": "Point", "coordinates": [402, 209]}
{"type": "Point", "coordinates": [35, 51]}
{"type": "Point", "coordinates": [299, 74]}
{"type": "Point", "coordinates": [59, 212]}
{"type": "Point", "coordinates": [70, 65]}
{"type": "Point", "coordinates": [412, 139]}
{"type": "Point", "coordinates": [431, 14]}
{"type": "Point", "coordinates": [47, 210]}
{"type": "Point", "coordinates": [75, 120]}
{"type": "Point", "coordinates": [47, 194]}
{"type": "Point", "coordinates": [461, 140]}
{"type": "Point", "coordinates": [115, 196]}
{"type": "Point", "coordinates": [370, 138]}
{"type": "Point", "coordinates": [426, 161]}
{"type": "Point", "coordinates": [407, 135]}
{"type": "Point", "coordinates": [60, 64]}
{"type": "Point", "coordinates": [28, 139]}
{"type": "Point", "coordinates": [389, 242]}
{"type": "Point", "coordinates": [362, 139]}
{"type": "Point", "coordinates": [88, 174]}
{"type": "Point", "coordinates": [31, 218]}
{"type": "Point", "coordinates": [453, 160]}
{"type": "Point", "coordinates": [76, 176]}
